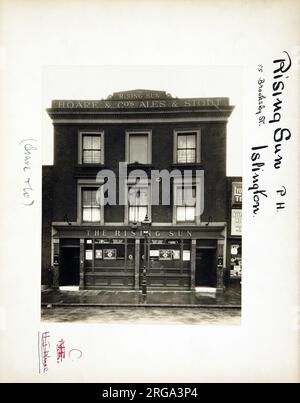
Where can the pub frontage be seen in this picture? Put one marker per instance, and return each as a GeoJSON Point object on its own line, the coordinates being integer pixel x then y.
{"type": "Point", "coordinates": [113, 258]}
{"type": "Point", "coordinates": [179, 246]}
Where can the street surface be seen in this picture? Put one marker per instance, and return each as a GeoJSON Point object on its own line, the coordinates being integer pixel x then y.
{"type": "Point", "coordinates": [141, 315]}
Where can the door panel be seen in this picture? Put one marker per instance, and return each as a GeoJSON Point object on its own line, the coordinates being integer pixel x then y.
{"type": "Point", "coordinates": [69, 266]}
{"type": "Point", "coordinates": [206, 268]}
{"type": "Point", "coordinates": [166, 273]}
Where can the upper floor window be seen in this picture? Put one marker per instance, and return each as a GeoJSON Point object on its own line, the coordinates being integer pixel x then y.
{"type": "Point", "coordinates": [138, 203]}
{"type": "Point", "coordinates": [138, 147]}
{"type": "Point", "coordinates": [187, 147]}
{"type": "Point", "coordinates": [91, 148]}
{"type": "Point", "coordinates": [185, 203]}
{"type": "Point", "coordinates": [91, 205]}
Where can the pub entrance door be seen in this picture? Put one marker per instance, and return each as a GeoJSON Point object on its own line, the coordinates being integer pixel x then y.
{"type": "Point", "coordinates": [69, 266]}
{"type": "Point", "coordinates": [206, 263]}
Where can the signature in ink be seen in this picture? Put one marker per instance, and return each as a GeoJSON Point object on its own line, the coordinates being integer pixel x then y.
{"type": "Point", "coordinates": [45, 350]}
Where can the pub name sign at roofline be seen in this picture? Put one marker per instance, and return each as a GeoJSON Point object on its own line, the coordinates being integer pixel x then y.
{"type": "Point", "coordinates": [140, 104]}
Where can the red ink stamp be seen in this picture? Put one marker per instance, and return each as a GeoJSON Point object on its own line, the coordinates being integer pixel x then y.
{"type": "Point", "coordinates": [60, 351]}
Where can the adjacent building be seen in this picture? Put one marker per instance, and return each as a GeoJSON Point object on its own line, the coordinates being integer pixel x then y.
{"type": "Point", "coordinates": [234, 233]}
{"type": "Point", "coordinates": [179, 245]}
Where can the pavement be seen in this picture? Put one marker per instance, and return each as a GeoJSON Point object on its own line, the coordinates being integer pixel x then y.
{"type": "Point", "coordinates": [142, 315]}
{"type": "Point", "coordinates": [229, 299]}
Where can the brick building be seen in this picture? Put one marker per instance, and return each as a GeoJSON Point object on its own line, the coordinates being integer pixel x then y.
{"type": "Point", "coordinates": [107, 247]}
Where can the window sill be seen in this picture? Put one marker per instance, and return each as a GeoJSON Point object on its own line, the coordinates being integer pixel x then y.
{"type": "Point", "coordinates": [89, 165]}
{"type": "Point", "coordinates": [187, 165]}
{"type": "Point", "coordinates": [139, 165]}
{"type": "Point", "coordinates": [87, 170]}
{"type": "Point", "coordinates": [91, 223]}
{"type": "Point", "coordinates": [186, 223]}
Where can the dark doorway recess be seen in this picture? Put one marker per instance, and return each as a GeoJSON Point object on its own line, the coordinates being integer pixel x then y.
{"type": "Point", "coordinates": [206, 267]}
{"type": "Point", "coordinates": [69, 266]}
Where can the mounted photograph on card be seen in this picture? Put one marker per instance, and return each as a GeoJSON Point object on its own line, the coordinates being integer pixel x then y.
{"type": "Point", "coordinates": [150, 179]}
{"type": "Point", "coordinates": [143, 172]}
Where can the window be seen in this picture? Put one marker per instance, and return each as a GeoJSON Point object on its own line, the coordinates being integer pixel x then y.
{"type": "Point", "coordinates": [187, 147]}
{"type": "Point", "coordinates": [91, 148]}
{"type": "Point", "coordinates": [138, 201]}
{"type": "Point", "coordinates": [138, 147]}
{"type": "Point", "coordinates": [185, 203]}
{"type": "Point", "coordinates": [91, 205]}
{"type": "Point", "coordinates": [188, 199]}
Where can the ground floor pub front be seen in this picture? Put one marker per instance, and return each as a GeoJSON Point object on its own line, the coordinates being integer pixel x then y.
{"type": "Point", "coordinates": [164, 259]}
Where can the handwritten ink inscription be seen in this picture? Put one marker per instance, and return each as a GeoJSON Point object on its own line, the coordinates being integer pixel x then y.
{"type": "Point", "coordinates": [280, 134]}
{"type": "Point", "coordinates": [45, 351]}
{"type": "Point", "coordinates": [60, 351]}
{"type": "Point", "coordinates": [261, 97]}
{"type": "Point", "coordinates": [28, 146]}
{"type": "Point", "coordinates": [44, 347]}
{"type": "Point", "coordinates": [282, 193]}
{"type": "Point", "coordinates": [257, 168]}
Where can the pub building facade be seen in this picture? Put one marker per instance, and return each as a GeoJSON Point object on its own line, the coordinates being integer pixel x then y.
{"type": "Point", "coordinates": [91, 246]}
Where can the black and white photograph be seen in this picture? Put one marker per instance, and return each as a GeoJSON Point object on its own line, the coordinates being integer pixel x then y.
{"type": "Point", "coordinates": [150, 194]}
{"type": "Point", "coordinates": [138, 209]}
